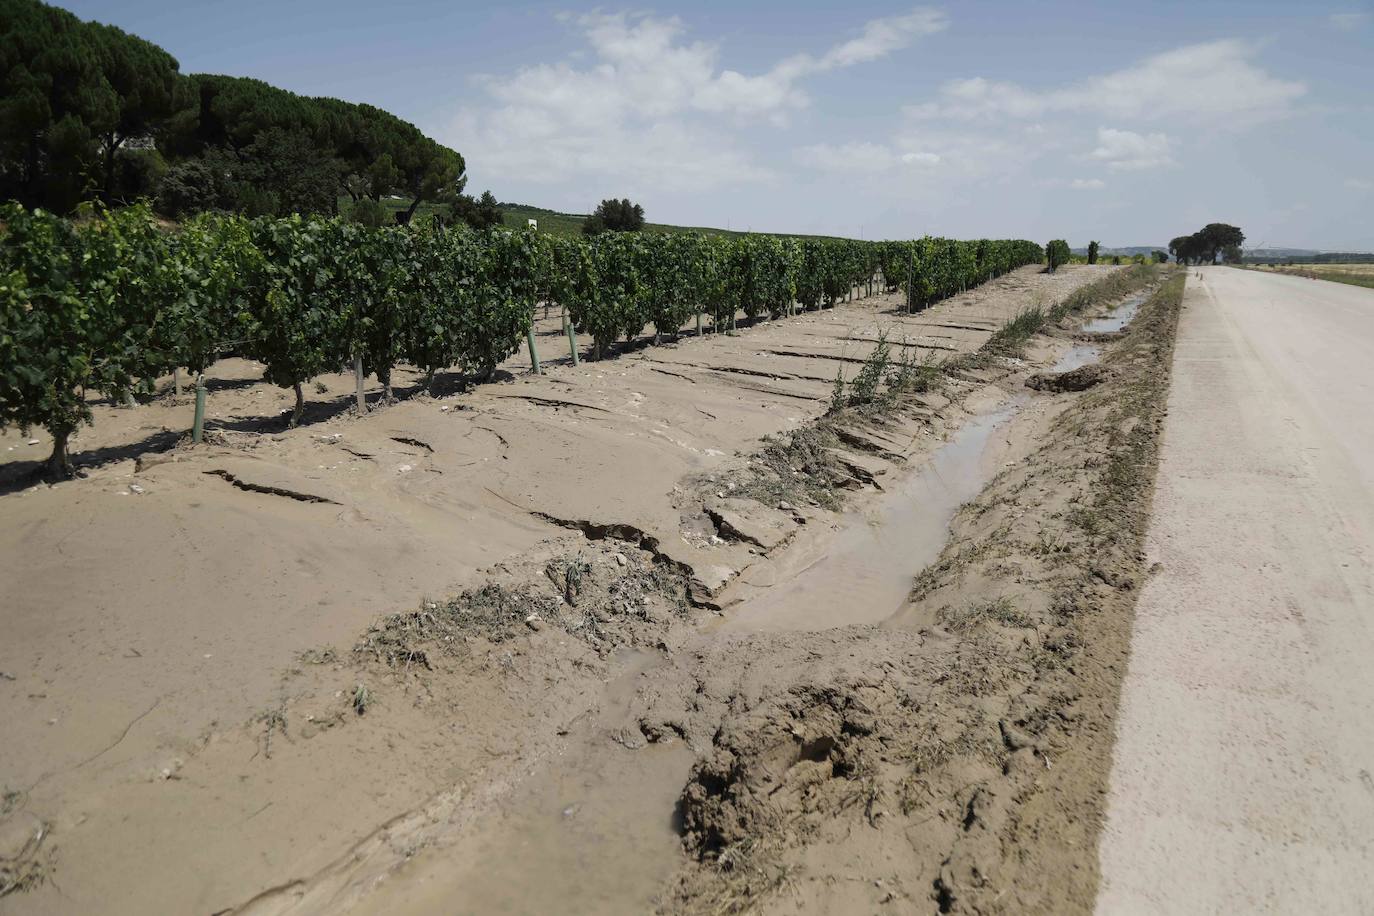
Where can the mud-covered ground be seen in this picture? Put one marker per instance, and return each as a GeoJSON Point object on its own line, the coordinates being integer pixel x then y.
{"type": "Point", "coordinates": [591, 684]}
{"type": "Point", "coordinates": [956, 757]}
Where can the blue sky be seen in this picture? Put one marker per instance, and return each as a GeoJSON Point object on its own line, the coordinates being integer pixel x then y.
{"type": "Point", "coordinates": [1126, 123]}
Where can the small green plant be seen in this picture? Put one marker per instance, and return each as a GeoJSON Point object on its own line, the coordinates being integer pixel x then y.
{"type": "Point", "coordinates": [837, 401]}
{"type": "Point", "coordinates": [913, 375]}
{"type": "Point", "coordinates": [362, 699]}
{"type": "Point", "coordinates": [864, 388]}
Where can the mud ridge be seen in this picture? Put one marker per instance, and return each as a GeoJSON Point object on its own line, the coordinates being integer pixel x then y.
{"type": "Point", "coordinates": [698, 593]}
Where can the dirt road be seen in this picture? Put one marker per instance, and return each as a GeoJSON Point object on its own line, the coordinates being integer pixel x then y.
{"type": "Point", "coordinates": [1242, 775]}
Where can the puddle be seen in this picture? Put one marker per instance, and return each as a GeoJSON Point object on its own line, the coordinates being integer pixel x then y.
{"type": "Point", "coordinates": [862, 574]}
{"type": "Point", "coordinates": [1078, 355]}
{"type": "Point", "coordinates": [1118, 317]}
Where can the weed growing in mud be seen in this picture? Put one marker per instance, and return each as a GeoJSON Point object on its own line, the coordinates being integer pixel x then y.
{"type": "Point", "coordinates": [272, 721]}
{"type": "Point", "coordinates": [837, 400]}
{"type": "Point", "coordinates": [361, 700]}
{"type": "Point", "coordinates": [566, 574]}
{"type": "Point", "coordinates": [912, 376]}
{"type": "Point", "coordinates": [1010, 339]}
{"type": "Point", "coordinates": [999, 610]}
{"type": "Point", "coordinates": [864, 389]}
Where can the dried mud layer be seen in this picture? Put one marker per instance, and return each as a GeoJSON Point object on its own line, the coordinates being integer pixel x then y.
{"type": "Point", "coordinates": [203, 718]}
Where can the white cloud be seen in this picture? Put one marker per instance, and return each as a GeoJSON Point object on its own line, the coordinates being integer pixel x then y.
{"type": "Point", "coordinates": [849, 158]}
{"type": "Point", "coordinates": [883, 36]}
{"type": "Point", "coordinates": [647, 107]}
{"type": "Point", "coordinates": [1125, 150]}
{"type": "Point", "coordinates": [1087, 184]}
{"type": "Point", "coordinates": [921, 158]}
{"type": "Point", "coordinates": [1212, 82]}
{"type": "Point", "coordinates": [1359, 184]}
{"type": "Point", "coordinates": [1348, 22]}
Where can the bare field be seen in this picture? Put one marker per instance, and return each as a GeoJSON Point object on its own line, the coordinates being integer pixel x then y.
{"type": "Point", "coordinates": [263, 673]}
{"type": "Point", "coordinates": [1353, 274]}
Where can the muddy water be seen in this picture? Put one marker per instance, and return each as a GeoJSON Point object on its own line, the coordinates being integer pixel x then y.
{"type": "Point", "coordinates": [863, 572]}
{"type": "Point", "coordinates": [1118, 317]}
{"type": "Point", "coordinates": [575, 838]}
{"type": "Point", "coordinates": [1078, 355]}
{"type": "Point", "coordinates": [1082, 354]}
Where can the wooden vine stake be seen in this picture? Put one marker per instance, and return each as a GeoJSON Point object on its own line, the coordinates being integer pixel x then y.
{"type": "Point", "coordinates": [198, 424]}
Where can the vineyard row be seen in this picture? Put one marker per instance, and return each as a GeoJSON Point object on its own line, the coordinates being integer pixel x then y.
{"type": "Point", "coordinates": [111, 301]}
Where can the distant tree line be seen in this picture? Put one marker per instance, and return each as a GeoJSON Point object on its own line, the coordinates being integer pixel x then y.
{"type": "Point", "coordinates": [614, 216]}
{"type": "Point", "coordinates": [1324, 257]}
{"type": "Point", "coordinates": [90, 112]}
{"type": "Point", "coordinates": [1207, 244]}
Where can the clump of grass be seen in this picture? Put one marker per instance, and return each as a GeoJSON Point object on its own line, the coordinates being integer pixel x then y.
{"type": "Point", "coordinates": [1010, 339]}
{"type": "Point", "coordinates": [998, 610]}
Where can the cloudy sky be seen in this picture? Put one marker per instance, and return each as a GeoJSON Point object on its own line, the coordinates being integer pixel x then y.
{"type": "Point", "coordinates": [1127, 124]}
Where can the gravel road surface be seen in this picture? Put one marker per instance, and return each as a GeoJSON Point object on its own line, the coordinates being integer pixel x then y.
{"type": "Point", "coordinates": [1242, 775]}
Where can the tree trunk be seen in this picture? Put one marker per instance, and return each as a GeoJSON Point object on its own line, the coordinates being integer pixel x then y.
{"type": "Point", "coordinates": [360, 395]}
{"type": "Point", "coordinates": [410, 211]}
{"type": "Point", "coordinates": [300, 407]}
{"type": "Point", "coordinates": [176, 383]}
{"type": "Point", "coordinates": [384, 376]}
{"type": "Point", "coordinates": [107, 193]}
{"type": "Point", "coordinates": [429, 380]}
{"type": "Point", "coordinates": [59, 462]}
